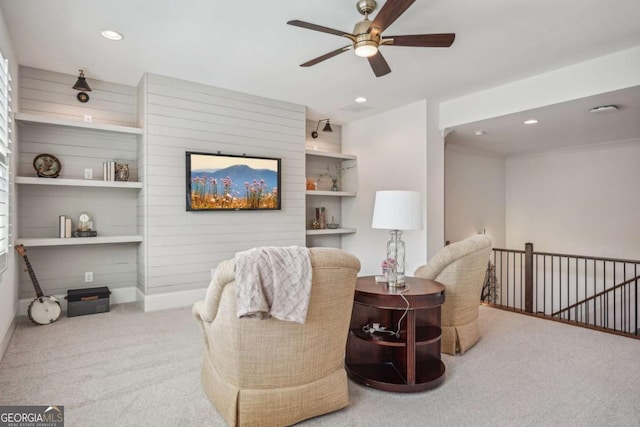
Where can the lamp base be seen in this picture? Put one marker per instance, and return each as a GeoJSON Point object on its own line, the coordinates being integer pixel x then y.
{"type": "Point", "coordinates": [396, 285]}
{"type": "Point", "coordinates": [395, 252]}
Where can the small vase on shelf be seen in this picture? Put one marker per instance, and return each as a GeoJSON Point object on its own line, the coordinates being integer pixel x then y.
{"type": "Point", "coordinates": [334, 187]}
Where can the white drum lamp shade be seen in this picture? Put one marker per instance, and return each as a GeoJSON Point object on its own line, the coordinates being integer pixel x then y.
{"type": "Point", "coordinates": [397, 210]}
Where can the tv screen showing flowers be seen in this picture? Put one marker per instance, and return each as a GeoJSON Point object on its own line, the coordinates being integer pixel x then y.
{"type": "Point", "coordinates": [232, 183]}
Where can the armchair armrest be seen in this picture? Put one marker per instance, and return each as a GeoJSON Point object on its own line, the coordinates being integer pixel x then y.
{"type": "Point", "coordinates": [205, 311]}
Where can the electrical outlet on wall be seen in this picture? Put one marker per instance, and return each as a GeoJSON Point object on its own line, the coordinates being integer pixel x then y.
{"type": "Point", "coordinates": [88, 174]}
{"type": "Point", "coordinates": [88, 276]}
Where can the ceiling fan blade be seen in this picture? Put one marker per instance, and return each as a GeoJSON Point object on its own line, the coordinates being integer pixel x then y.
{"type": "Point", "coordinates": [320, 28]}
{"type": "Point", "coordinates": [326, 56]}
{"type": "Point", "coordinates": [379, 65]}
{"type": "Point", "coordinates": [391, 11]}
{"type": "Point", "coordinates": [421, 40]}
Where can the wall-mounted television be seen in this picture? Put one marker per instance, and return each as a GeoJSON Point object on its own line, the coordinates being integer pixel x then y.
{"type": "Point", "coordinates": [224, 182]}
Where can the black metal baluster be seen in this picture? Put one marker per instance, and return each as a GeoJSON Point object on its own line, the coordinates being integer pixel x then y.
{"type": "Point", "coordinates": [551, 284]}
{"type": "Point", "coordinates": [495, 300]}
{"type": "Point", "coordinates": [586, 306]}
{"type": "Point", "coordinates": [560, 284]}
{"type": "Point", "coordinates": [614, 296]}
{"type": "Point", "coordinates": [514, 280]}
{"type": "Point", "coordinates": [521, 284]}
{"type": "Point", "coordinates": [544, 284]}
{"type": "Point", "coordinates": [595, 291]}
{"type": "Point", "coordinates": [635, 274]}
{"type": "Point", "coordinates": [502, 279]}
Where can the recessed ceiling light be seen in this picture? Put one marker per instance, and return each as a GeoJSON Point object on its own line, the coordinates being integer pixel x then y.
{"type": "Point", "coordinates": [530, 122]}
{"type": "Point", "coordinates": [478, 133]}
{"type": "Point", "coordinates": [361, 99]}
{"type": "Point", "coordinates": [111, 35]}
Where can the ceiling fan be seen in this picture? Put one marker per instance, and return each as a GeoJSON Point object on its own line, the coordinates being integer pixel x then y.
{"type": "Point", "coordinates": [367, 35]}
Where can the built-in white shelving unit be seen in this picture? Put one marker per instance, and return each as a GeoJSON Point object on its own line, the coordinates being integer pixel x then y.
{"type": "Point", "coordinates": [318, 198]}
{"type": "Point", "coordinates": [100, 240]}
{"type": "Point", "coordinates": [327, 231]}
{"type": "Point", "coordinates": [22, 118]}
{"type": "Point", "coordinates": [70, 189]}
{"type": "Point", "coordinates": [331, 193]}
{"type": "Point", "coordinates": [330, 154]}
{"type": "Point", "coordinates": [76, 182]}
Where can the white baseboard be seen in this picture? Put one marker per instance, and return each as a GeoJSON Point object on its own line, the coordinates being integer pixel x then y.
{"type": "Point", "coordinates": [118, 296]}
{"type": "Point", "coordinates": [173, 299]}
{"type": "Point", "coordinates": [133, 294]}
{"type": "Point", "coordinates": [4, 343]}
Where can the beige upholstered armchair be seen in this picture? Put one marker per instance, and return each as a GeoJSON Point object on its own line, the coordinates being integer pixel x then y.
{"type": "Point", "coordinates": [272, 372]}
{"type": "Point", "coordinates": [461, 267]}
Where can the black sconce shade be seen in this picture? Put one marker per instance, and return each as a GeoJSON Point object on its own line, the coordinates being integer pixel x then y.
{"type": "Point", "coordinates": [326, 128]}
{"type": "Point", "coordinates": [83, 87]}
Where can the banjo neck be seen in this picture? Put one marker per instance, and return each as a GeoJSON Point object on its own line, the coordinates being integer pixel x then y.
{"type": "Point", "coordinates": [22, 251]}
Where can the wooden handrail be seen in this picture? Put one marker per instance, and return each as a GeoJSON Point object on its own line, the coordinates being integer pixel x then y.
{"type": "Point", "coordinates": [518, 251]}
{"type": "Point", "coordinates": [624, 261]}
{"type": "Point", "coordinates": [594, 296]}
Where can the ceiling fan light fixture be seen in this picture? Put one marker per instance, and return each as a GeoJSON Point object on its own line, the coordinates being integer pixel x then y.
{"type": "Point", "coordinates": [366, 49]}
{"type": "Point", "coordinates": [366, 37]}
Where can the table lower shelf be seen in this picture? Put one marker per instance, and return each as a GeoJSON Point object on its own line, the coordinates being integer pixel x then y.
{"type": "Point", "coordinates": [424, 335]}
{"type": "Point", "coordinates": [385, 376]}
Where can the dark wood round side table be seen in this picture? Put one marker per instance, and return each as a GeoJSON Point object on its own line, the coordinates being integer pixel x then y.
{"type": "Point", "coordinates": [406, 363]}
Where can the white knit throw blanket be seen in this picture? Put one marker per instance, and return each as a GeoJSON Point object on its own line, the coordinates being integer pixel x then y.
{"type": "Point", "coordinates": [273, 281]}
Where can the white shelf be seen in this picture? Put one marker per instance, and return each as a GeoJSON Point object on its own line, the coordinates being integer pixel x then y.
{"type": "Point", "coordinates": [47, 120]}
{"type": "Point", "coordinates": [330, 231]}
{"type": "Point", "coordinates": [330, 154]}
{"type": "Point", "coordinates": [331, 193]}
{"type": "Point", "coordinates": [76, 182]}
{"type": "Point", "coordinates": [79, 241]}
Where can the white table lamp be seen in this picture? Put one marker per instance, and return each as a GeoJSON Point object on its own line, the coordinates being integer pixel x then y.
{"type": "Point", "coordinates": [397, 211]}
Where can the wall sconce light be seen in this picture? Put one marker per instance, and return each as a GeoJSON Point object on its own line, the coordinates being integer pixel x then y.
{"type": "Point", "coordinates": [326, 128]}
{"type": "Point", "coordinates": [83, 87]}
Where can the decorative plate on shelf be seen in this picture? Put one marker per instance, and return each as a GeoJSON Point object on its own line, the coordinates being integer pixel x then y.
{"type": "Point", "coordinates": [47, 166]}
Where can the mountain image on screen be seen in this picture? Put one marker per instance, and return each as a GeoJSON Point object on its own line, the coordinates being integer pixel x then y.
{"type": "Point", "coordinates": [239, 174]}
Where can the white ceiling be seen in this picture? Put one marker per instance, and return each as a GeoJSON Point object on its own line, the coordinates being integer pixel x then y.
{"type": "Point", "coordinates": [561, 125]}
{"type": "Point", "coordinates": [247, 46]}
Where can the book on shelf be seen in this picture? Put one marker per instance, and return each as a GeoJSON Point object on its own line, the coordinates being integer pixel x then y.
{"type": "Point", "coordinates": [62, 225]}
{"type": "Point", "coordinates": [108, 170]}
{"type": "Point", "coordinates": [67, 228]}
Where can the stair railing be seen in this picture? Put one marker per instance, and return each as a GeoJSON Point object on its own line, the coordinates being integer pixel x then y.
{"type": "Point", "coordinates": [596, 292]}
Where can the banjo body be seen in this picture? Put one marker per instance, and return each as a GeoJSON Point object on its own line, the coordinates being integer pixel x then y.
{"type": "Point", "coordinates": [43, 309]}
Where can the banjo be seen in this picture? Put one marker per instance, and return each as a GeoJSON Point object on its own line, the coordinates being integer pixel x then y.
{"type": "Point", "coordinates": [42, 310]}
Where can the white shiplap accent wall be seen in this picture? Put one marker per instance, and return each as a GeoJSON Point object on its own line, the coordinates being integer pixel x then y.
{"type": "Point", "coordinates": [50, 93]}
{"type": "Point", "coordinates": [114, 210]}
{"type": "Point", "coordinates": [182, 247]}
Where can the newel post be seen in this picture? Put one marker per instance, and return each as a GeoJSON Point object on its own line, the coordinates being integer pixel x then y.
{"type": "Point", "coordinates": [528, 277]}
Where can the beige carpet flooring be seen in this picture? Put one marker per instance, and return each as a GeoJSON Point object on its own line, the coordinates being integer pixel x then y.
{"type": "Point", "coordinates": [128, 368]}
